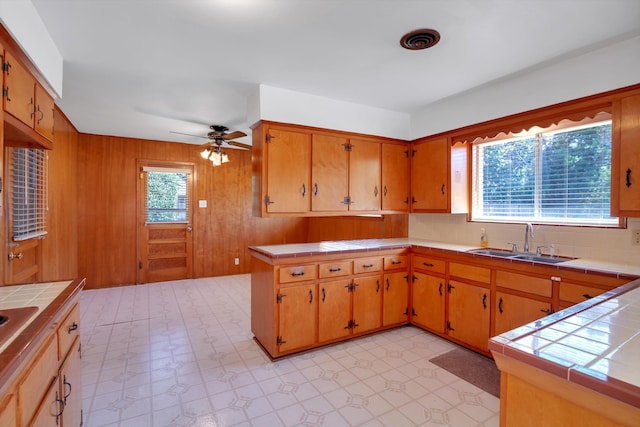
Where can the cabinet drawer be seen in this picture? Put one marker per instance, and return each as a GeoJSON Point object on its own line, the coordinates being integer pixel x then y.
{"type": "Point", "coordinates": [578, 293]}
{"type": "Point", "coordinates": [68, 331]}
{"type": "Point", "coordinates": [471, 272]}
{"type": "Point", "coordinates": [524, 283]}
{"type": "Point", "coordinates": [298, 273]}
{"type": "Point", "coordinates": [334, 269]}
{"type": "Point", "coordinates": [395, 262]}
{"type": "Point", "coordinates": [429, 264]}
{"type": "Point", "coordinates": [366, 265]}
{"type": "Point", "coordinates": [37, 380]}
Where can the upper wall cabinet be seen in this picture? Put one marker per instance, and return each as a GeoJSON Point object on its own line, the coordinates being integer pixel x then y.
{"type": "Point", "coordinates": [30, 107]}
{"type": "Point", "coordinates": [395, 177]}
{"type": "Point", "coordinates": [314, 172]}
{"type": "Point", "coordinates": [625, 182]}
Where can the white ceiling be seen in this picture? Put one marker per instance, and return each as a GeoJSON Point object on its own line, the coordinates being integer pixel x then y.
{"type": "Point", "coordinates": [144, 68]}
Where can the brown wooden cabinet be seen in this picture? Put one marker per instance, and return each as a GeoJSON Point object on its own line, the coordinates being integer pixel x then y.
{"type": "Point", "coordinates": [367, 303]}
{"type": "Point", "coordinates": [329, 174]}
{"type": "Point", "coordinates": [428, 301]}
{"type": "Point", "coordinates": [469, 314]}
{"type": "Point", "coordinates": [395, 300]}
{"type": "Point", "coordinates": [364, 176]}
{"type": "Point", "coordinates": [430, 170]}
{"type": "Point", "coordinates": [298, 317]}
{"type": "Point", "coordinates": [625, 197]}
{"type": "Point", "coordinates": [334, 311]}
{"type": "Point", "coordinates": [8, 410]}
{"type": "Point", "coordinates": [512, 311]}
{"type": "Point", "coordinates": [395, 170]}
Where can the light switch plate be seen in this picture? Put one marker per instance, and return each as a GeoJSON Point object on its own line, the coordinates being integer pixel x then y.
{"type": "Point", "coordinates": [635, 237]}
{"type": "Point", "coordinates": [202, 203]}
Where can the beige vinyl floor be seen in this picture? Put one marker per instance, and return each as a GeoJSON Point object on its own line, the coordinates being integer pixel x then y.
{"type": "Point", "coordinates": [182, 354]}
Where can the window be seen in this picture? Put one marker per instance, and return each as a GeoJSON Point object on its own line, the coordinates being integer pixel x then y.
{"type": "Point", "coordinates": [167, 197]}
{"type": "Point", "coordinates": [554, 176]}
{"type": "Point", "coordinates": [28, 171]}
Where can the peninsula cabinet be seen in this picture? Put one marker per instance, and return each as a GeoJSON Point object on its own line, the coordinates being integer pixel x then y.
{"type": "Point", "coordinates": [625, 198]}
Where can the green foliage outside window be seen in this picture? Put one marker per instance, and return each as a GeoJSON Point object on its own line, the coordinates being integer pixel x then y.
{"type": "Point", "coordinates": [166, 197]}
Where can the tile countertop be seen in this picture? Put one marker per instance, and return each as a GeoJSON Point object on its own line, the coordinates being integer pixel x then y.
{"type": "Point", "coordinates": [49, 298]}
{"type": "Point", "coordinates": [595, 344]}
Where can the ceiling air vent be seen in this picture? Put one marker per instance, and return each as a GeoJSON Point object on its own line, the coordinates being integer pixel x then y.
{"type": "Point", "coordinates": [420, 39]}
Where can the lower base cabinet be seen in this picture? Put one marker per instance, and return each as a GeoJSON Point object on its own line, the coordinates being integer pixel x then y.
{"type": "Point", "coordinates": [469, 314]}
{"type": "Point", "coordinates": [367, 304]}
{"type": "Point", "coordinates": [395, 300]}
{"type": "Point", "coordinates": [513, 311]}
{"type": "Point", "coordinates": [334, 311]}
{"type": "Point", "coordinates": [428, 297]}
{"type": "Point", "coordinates": [297, 314]}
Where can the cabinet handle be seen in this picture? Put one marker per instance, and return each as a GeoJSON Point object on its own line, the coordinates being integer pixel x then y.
{"type": "Point", "coordinates": [548, 311]}
{"type": "Point", "coordinates": [388, 285]}
{"type": "Point", "coordinates": [394, 262]}
{"type": "Point", "coordinates": [334, 269]}
{"type": "Point", "coordinates": [587, 296]}
{"type": "Point", "coordinates": [500, 305]}
{"type": "Point", "coordinates": [428, 264]}
{"type": "Point", "coordinates": [367, 265]}
{"type": "Point", "coordinates": [66, 383]}
{"type": "Point", "coordinates": [384, 191]}
{"type": "Point", "coordinates": [304, 190]}
{"type": "Point", "coordinates": [442, 189]}
{"type": "Point", "coordinates": [73, 327]}
{"type": "Point", "coordinates": [440, 289]}
{"type": "Point", "coordinates": [310, 296]}
{"type": "Point", "coordinates": [377, 286]}
{"type": "Point", "coordinates": [58, 414]}
{"type": "Point", "coordinates": [449, 287]}
{"type": "Point", "coordinates": [324, 295]}
{"type": "Point", "coordinates": [628, 178]}
{"type": "Point", "coordinates": [375, 191]}
{"type": "Point", "coordinates": [298, 274]}
{"type": "Point", "coordinates": [484, 300]}
{"type": "Point", "coordinates": [315, 189]}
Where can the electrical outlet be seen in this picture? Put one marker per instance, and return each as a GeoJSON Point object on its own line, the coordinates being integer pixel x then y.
{"type": "Point", "coordinates": [236, 261]}
{"type": "Point", "coordinates": [635, 237]}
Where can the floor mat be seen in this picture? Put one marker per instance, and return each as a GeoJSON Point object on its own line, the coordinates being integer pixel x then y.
{"type": "Point", "coordinates": [472, 367]}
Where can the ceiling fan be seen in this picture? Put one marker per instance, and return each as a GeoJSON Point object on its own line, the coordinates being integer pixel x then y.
{"type": "Point", "coordinates": [218, 136]}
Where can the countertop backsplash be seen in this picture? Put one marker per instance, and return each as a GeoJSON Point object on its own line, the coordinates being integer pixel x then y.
{"type": "Point", "coordinates": [604, 244]}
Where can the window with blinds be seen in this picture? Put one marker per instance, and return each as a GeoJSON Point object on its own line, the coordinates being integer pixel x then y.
{"type": "Point", "coordinates": [167, 195]}
{"type": "Point", "coordinates": [560, 176]}
{"type": "Point", "coordinates": [29, 207]}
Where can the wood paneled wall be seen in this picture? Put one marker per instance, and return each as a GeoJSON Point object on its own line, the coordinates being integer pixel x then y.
{"type": "Point", "coordinates": [350, 228]}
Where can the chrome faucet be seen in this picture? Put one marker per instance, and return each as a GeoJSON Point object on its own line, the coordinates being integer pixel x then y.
{"type": "Point", "coordinates": [528, 231]}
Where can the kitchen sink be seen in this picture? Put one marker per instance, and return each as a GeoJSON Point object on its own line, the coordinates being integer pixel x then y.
{"type": "Point", "coordinates": [12, 318]}
{"type": "Point", "coordinates": [545, 259]}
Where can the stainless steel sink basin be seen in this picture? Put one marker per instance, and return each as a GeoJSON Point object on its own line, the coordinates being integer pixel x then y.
{"type": "Point", "coordinates": [545, 259]}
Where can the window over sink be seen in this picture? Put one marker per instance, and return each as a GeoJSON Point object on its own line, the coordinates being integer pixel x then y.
{"type": "Point", "coordinates": [560, 175]}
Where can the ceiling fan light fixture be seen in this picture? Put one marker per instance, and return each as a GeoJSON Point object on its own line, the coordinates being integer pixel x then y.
{"type": "Point", "coordinates": [420, 39]}
{"type": "Point", "coordinates": [205, 153]}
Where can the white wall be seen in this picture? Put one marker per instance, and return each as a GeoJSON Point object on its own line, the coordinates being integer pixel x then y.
{"type": "Point", "coordinates": [22, 21]}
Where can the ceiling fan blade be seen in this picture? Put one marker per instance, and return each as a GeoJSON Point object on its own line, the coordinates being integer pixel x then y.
{"type": "Point", "coordinates": [189, 134]}
{"type": "Point", "coordinates": [239, 145]}
{"type": "Point", "coordinates": [203, 146]}
{"type": "Point", "coordinates": [233, 135]}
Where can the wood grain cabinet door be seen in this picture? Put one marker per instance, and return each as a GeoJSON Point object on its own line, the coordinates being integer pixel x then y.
{"type": "Point", "coordinates": [428, 295]}
{"type": "Point", "coordinates": [367, 303]}
{"type": "Point", "coordinates": [288, 171]}
{"type": "Point", "coordinates": [329, 173]}
{"type": "Point", "coordinates": [430, 176]}
{"type": "Point", "coordinates": [298, 317]}
{"type": "Point", "coordinates": [20, 86]}
{"type": "Point", "coordinates": [628, 161]}
{"type": "Point", "coordinates": [44, 113]}
{"type": "Point", "coordinates": [334, 310]}
{"type": "Point", "coordinates": [364, 176]}
{"type": "Point", "coordinates": [512, 311]}
{"type": "Point", "coordinates": [469, 314]}
{"type": "Point", "coordinates": [395, 300]}
{"type": "Point", "coordinates": [395, 177]}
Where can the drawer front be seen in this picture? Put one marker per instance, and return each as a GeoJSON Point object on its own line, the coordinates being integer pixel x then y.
{"type": "Point", "coordinates": [429, 264]}
{"type": "Point", "coordinates": [521, 282]}
{"type": "Point", "coordinates": [471, 272]}
{"type": "Point", "coordinates": [395, 261]}
{"type": "Point", "coordinates": [37, 380]}
{"type": "Point", "coordinates": [298, 273]}
{"type": "Point", "coordinates": [366, 265]}
{"type": "Point", "coordinates": [68, 331]}
{"type": "Point", "coordinates": [334, 269]}
{"type": "Point", "coordinates": [578, 293]}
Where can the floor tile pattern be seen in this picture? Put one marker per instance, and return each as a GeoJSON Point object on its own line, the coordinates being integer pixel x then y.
{"type": "Point", "coordinates": [182, 354]}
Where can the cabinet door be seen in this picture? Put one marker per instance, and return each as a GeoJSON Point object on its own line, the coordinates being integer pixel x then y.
{"type": "Point", "coordinates": [71, 387]}
{"type": "Point", "coordinates": [469, 314]}
{"type": "Point", "coordinates": [629, 157]}
{"type": "Point", "coordinates": [428, 301]}
{"type": "Point", "coordinates": [395, 177]}
{"type": "Point", "coordinates": [288, 156]}
{"type": "Point", "coordinates": [20, 86]}
{"type": "Point", "coordinates": [430, 175]}
{"type": "Point", "coordinates": [8, 411]}
{"type": "Point", "coordinates": [334, 310]}
{"type": "Point", "coordinates": [329, 173]}
{"type": "Point", "coordinates": [44, 113]}
{"type": "Point", "coordinates": [367, 303]}
{"type": "Point", "coordinates": [395, 301]}
{"type": "Point", "coordinates": [512, 311]}
{"type": "Point", "coordinates": [49, 413]}
{"type": "Point", "coordinates": [364, 175]}
{"type": "Point", "coordinates": [297, 317]}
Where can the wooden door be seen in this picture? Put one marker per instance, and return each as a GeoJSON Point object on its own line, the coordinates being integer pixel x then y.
{"type": "Point", "coordinates": [430, 175]}
{"type": "Point", "coordinates": [628, 181]}
{"type": "Point", "coordinates": [164, 222]}
{"type": "Point", "coordinates": [512, 311]}
{"type": "Point", "coordinates": [288, 171]}
{"type": "Point", "coordinates": [44, 113]}
{"type": "Point", "coordinates": [367, 303]}
{"type": "Point", "coordinates": [297, 317]}
{"type": "Point", "coordinates": [428, 296]}
{"type": "Point", "coordinates": [469, 314]}
{"type": "Point", "coordinates": [395, 301]}
{"type": "Point", "coordinates": [329, 173]}
{"type": "Point", "coordinates": [364, 176]}
{"type": "Point", "coordinates": [334, 310]}
{"type": "Point", "coordinates": [71, 387]}
{"type": "Point", "coordinates": [20, 85]}
{"type": "Point", "coordinates": [395, 177]}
